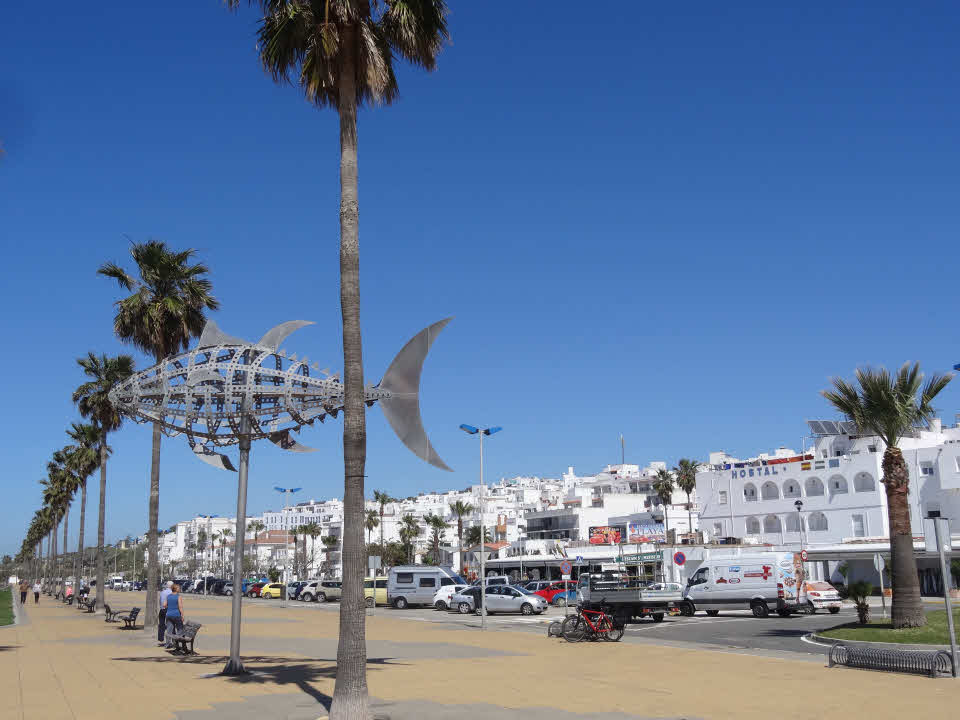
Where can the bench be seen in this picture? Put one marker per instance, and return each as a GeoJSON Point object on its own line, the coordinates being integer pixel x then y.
{"type": "Point", "coordinates": [187, 634]}
{"type": "Point", "coordinates": [68, 600]}
{"type": "Point", "coordinates": [932, 663]}
{"type": "Point", "coordinates": [129, 618]}
{"type": "Point", "coordinates": [110, 615]}
{"type": "Point", "coordinates": [87, 604]}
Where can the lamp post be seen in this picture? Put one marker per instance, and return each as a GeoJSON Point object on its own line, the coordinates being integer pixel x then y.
{"type": "Point", "coordinates": [470, 430]}
{"type": "Point", "coordinates": [799, 506]}
{"type": "Point", "coordinates": [209, 545]}
{"type": "Point", "coordinates": [286, 537]}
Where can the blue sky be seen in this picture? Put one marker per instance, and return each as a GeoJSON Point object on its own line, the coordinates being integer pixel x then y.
{"type": "Point", "coordinates": [671, 222]}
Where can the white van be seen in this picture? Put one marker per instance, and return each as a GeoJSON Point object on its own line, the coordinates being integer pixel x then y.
{"type": "Point", "coordinates": [417, 584]}
{"type": "Point", "coordinates": [761, 583]}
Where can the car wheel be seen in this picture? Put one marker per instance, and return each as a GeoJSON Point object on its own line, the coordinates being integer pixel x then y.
{"type": "Point", "coordinates": [811, 610]}
{"type": "Point", "coordinates": [560, 602]}
{"type": "Point", "coordinates": [658, 617]}
{"type": "Point", "coordinates": [369, 602]}
{"type": "Point", "coordinates": [251, 594]}
{"type": "Point", "coordinates": [322, 597]}
{"type": "Point", "coordinates": [307, 597]}
{"type": "Point", "coordinates": [688, 610]}
{"type": "Point", "coordinates": [526, 609]}
{"type": "Point", "coordinates": [834, 611]}
{"type": "Point", "coordinates": [464, 608]}
{"type": "Point", "coordinates": [713, 613]}
{"type": "Point", "coordinates": [400, 603]}
{"type": "Point", "coordinates": [228, 593]}
{"type": "Point", "coordinates": [760, 610]}
{"type": "Point", "coordinates": [440, 605]}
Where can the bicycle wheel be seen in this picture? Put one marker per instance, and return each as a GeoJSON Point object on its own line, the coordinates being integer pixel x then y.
{"type": "Point", "coordinates": [613, 634]}
{"type": "Point", "coordinates": [574, 628]}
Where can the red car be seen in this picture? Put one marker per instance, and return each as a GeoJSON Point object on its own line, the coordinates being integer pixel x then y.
{"type": "Point", "coordinates": [551, 591]}
{"type": "Point", "coordinates": [254, 590]}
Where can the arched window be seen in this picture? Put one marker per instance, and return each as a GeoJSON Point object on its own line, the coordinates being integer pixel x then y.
{"type": "Point", "coordinates": [753, 526]}
{"type": "Point", "coordinates": [793, 523]}
{"type": "Point", "coordinates": [771, 524]}
{"type": "Point", "coordinates": [817, 522]}
{"type": "Point", "coordinates": [863, 482]}
{"type": "Point", "coordinates": [791, 489]}
{"type": "Point", "coordinates": [770, 491]}
{"type": "Point", "coordinates": [838, 485]}
{"type": "Point", "coordinates": [814, 486]}
{"type": "Point", "coordinates": [750, 492]}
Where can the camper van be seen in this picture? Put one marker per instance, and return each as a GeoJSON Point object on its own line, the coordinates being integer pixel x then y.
{"type": "Point", "coordinates": [761, 583]}
{"type": "Point", "coordinates": [417, 584]}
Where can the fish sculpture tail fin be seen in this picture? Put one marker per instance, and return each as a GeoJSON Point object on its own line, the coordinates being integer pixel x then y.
{"type": "Point", "coordinates": [402, 381]}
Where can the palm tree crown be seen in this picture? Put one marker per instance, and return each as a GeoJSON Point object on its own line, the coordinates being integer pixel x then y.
{"type": "Point", "coordinates": [92, 397]}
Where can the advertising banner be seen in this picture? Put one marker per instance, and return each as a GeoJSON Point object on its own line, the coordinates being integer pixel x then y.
{"type": "Point", "coordinates": [652, 532]}
{"type": "Point", "coordinates": [607, 534]}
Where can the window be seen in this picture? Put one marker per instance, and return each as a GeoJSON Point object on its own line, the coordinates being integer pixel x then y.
{"type": "Point", "coordinates": [838, 485]}
{"type": "Point", "coordinates": [723, 497]}
{"type": "Point", "coordinates": [428, 582]}
{"type": "Point", "coordinates": [814, 486]}
{"type": "Point", "coordinates": [753, 526]}
{"type": "Point", "coordinates": [872, 448]}
{"type": "Point", "coordinates": [859, 527]}
{"type": "Point", "coordinates": [791, 489]}
{"type": "Point", "coordinates": [863, 482]}
{"type": "Point", "coordinates": [718, 529]}
{"type": "Point", "coordinates": [382, 583]}
{"type": "Point", "coordinates": [405, 578]}
{"type": "Point", "coordinates": [793, 523]}
{"type": "Point", "coordinates": [926, 468]}
{"type": "Point", "coordinates": [817, 522]}
{"type": "Point", "coordinates": [770, 491]}
{"type": "Point", "coordinates": [750, 490]}
{"type": "Point", "coordinates": [699, 577]}
{"type": "Point", "coordinates": [771, 524]}
{"type": "Point", "coordinates": [933, 510]}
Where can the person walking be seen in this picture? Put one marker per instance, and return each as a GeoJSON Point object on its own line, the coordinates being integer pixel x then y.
{"type": "Point", "coordinates": [24, 589]}
{"type": "Point", "coordinates": [36, 592]}
{"type": "Point", "coordinates": [162, 615]}
{"type": "Point", "coordinates": [174, 617]}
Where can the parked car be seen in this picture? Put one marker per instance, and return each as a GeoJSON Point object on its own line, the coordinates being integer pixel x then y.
{"type": "Point", "coordinates": [217, 587]}
{"type": "Point", "coordinates": [822, 595]}
{"type": "Point", "coordinates": [417, 584]}
{"type": "Point", "coordinates": [760, 582]}
{"type": "Point", "coordinates": [494, 580]}
{"type": "Point", "coordinates": [467, 600]}
{"type": "Point", "coordinates": [253, 591]}
{"type": "Point", "coordinates": [271, 591]}
{"type": "Point", "coordinates": [322, 590]}
{"type": "Point", "coordinates": [558, 593]}
{"type": "Point", "coordinates": [499, 598]}
{"type": "Point", "coordinates": [381, 591]}
{"type": "Point", "coordinates": [442, 598]}
{"type": "Point", "coordinates": [227, 589]}
{"type": "Point", "coordinates": [537, 585]}
{"type": "Point", "coordinates": [294, 588]}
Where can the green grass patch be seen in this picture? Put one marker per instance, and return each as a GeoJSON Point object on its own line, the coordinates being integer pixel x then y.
{"type": "Point", "coordinates": [935, 632]}
{"type": "Point", "coordinates": [6, 607]}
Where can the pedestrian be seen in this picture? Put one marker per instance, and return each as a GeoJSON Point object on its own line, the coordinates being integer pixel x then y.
{"type": "Point", "coordinates": [162, 615]}
{"type": "Point", "coordinates": [24, 589]}
{"type": "Point", "coordinates": [36, 592]}
{"type": "Point", "coordinates": [174, 617]}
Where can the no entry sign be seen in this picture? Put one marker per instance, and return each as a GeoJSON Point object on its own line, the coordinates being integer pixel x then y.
{"type": "Point", "coordinates": [679, 558]}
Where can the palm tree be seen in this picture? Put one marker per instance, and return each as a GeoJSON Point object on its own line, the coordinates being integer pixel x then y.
{"type": "Point", "coordinates": [93, 402]}
{"type": "Point", "coordinates": [224, 537]}
{"type": "Point", "coordinates": [256, 527]}
{"type": "Point", "coordinates": [330, 543]}
{"type": "Point", "coordinates": [83, 458]}
{"type": "Point", "coordinates": [341, 54]}
{"type": "Point", "coordinates": [313, 531]}
{"type": "Point", "coordinates": [409, 530]}
{"type": "Point", "coordinates": [382, 498]}
{"type": "Point", "coordinates": [890, 407]}
{"type": "Point", "coordinates": [371, 523]}
{"type": "Point", "coordinates": [437, 524]}
{"type": "Point", "coordinates": [461, 508]}
{"type": "Point", "coordinates": [201, 541]}
{"type": "Point", "coordinates": [164, 311]}
{"type": "Point", "coordinates": [663, 487]}
{"type": "Point", "coordinates": [686, 472]}
{"type": "Point", "coordinates": [60, 470]}
{"type": "Point", "coordinates": [295, 533]}
{"type": "Point", "coordinates": [473, 535]}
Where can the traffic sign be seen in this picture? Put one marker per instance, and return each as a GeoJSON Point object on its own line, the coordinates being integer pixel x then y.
{"type": "Point", "coordinates": [565, 567]}
{"type": "Point", "coordinates": [579, 559]}
{"type": "Point", "coordinates": [878, 562]}
{"type": "Point", "coordinates": [679, 558]}
{"type": "Point", "coordinates": [803, 555]}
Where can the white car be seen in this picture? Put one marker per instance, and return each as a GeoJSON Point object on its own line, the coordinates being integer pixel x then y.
{"type": "Point", "coordinates": [822, 595]}
{"type": "Point", "coordinates": [441, 599]}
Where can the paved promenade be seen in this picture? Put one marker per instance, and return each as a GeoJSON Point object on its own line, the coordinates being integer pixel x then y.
{"type": "Point", "coordinates": [60, 663]}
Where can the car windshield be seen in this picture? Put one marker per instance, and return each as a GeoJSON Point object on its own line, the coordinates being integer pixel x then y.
{"type": "Point", "coordinates": [522, 590]}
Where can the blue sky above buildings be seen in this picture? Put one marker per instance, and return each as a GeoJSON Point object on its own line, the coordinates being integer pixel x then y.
{"type": "Point", "coordinates": [671, 222]}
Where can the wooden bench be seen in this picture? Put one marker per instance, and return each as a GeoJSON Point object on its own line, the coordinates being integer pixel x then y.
{"type": "Point", "coordinates": [129, 619]}
{"type": "Point", "coordinates": [187, 634]}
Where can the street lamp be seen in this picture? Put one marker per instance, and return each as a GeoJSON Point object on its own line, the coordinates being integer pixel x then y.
{"type": "Point", "coordinates": [471, 430]}
{"type": "Point", "coordinates": [286, 537]}
{"type": "Point", "coordinates": [799, 506]}
{"type": "Point", "coordinates": [209, 547]}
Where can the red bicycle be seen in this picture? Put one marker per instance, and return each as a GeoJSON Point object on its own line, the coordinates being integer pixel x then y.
{"type": "Point", "coordinates": [591, 625]}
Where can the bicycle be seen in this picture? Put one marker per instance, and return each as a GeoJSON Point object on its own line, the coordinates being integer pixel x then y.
{"type": "Point", "coordinates": [579, 627]}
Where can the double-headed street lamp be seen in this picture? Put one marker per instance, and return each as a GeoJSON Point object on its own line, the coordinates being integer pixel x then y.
{"type": "Point", "coordinates": [471, 430]}
{"type": "Point", "coordinates": [286, 537]}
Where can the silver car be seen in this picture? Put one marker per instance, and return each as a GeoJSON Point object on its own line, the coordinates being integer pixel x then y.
{"type": "Point", "coordinates": [501, 599]}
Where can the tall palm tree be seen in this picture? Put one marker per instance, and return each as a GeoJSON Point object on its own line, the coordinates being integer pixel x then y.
{"type": "Point", "coordinates": [59, 469]}
{"type": "Point", "coordinates": [202, 542]}
{"type": "Point", "coordinates": [437, 525]}
{"type": "Point", "coordinates": [341, 53]}
{"type": "Point", "coordinates": [663, 487]}
{"type": "Point", "coordinates": [93, 402]}
{"type": "Point", "coordinates": [313, 531]}
{"type": "Point", "coordinates": [371, 523]}
{"type": "Point", "coordinates": [890, 406]}
{"type": "Point", "coordinates": [461, 508]}
{"type": "Point", "coordinates": [83, 458]}
{"type": "Point", "coordinates": [330, 544]}
{"type": "Point", "coordinates": [295, 533]}
{"type": "Point", "coordinates": [409, 530]}
{"type": "Point", "coordinates": [164, 311]}
{"type": "Point", "coordinates": [382, 498]}
{"type": "Point", "coordinates": [256, 527]}
{"type": "Point", "coordinates": [686, 472]}
{"type": "Point", "coordinates": [473, 535]}
{"type": "Point", "coordinates": [224, 537]}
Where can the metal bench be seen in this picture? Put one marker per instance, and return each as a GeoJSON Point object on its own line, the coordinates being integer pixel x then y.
{"type": "Point", "coordinates": [88, 605]}
{"type": "Point", "coordinates": [68, 600]}
{"type": "Point", "coordinates": [186, 635]}
{"type": "Point", "coordinates": [129, 618]}
{"type": "Point", "coordinates": [110, 615]}
{"type": "Point", "coordinates": [933, 663]}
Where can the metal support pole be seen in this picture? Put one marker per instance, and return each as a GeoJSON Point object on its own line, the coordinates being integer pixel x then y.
{"type": "Point", "coordinates": [234, 664]}
{"type": "Point", "coordinates": [483, 548]}
{"type": "Point", "coordinates": [944, 571]}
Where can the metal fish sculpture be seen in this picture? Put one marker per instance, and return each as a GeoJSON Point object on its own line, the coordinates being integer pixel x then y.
{"type": "Point", "coordinates": [227, 388]}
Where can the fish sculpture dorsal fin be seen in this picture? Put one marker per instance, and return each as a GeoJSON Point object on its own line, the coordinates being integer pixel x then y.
{"type": "Point", "coordinates": [278, 334]}
{"type": "Point", "coordinates": [212, 335]}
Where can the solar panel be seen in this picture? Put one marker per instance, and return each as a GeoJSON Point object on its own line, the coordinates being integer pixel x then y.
{"type": "Point", "coordinates": [827, 427]}
{"type": "Point", "coordinates": [850, 428]}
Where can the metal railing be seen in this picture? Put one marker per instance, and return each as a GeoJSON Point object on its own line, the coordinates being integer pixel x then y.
{"type": "Point", "coordinates": [934, 663]}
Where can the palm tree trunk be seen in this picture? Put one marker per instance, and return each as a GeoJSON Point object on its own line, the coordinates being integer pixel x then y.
{"type": "Point", "coordinates": [53, 545]}
{"type": "Point", "coordinates": [101, 527]}
{"type": "Point", "coordinates": [350, 695]}
{"type": "Point", "coordinates": [907, 606]}
{"type": "Point", "coordinates": [382, 552]}
{"type": "Point", "coordinates": [66, 523]}
{"type": "Point", "coordinates": [153, 572]}
{"type": "Point", "coordinates": [78, 561]}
